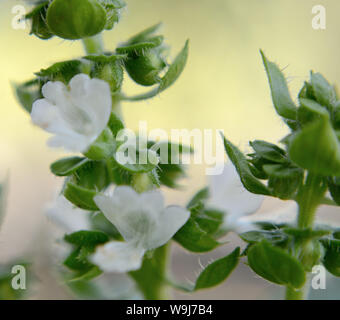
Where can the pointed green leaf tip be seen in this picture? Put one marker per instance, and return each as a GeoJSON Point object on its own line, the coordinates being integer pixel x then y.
{"type": "Point", "coordinates": [216, 272]}
{"type": "Point", "coordinates": [276, 265]}
{"type": "Point", "coordinates": [282, 101]}
{"type": "Point", "coordinates": [173, 73]}
{"type": "Point", "coordinates": [316, 148]}
{"type": "Point", "coordinates": [249, 181]}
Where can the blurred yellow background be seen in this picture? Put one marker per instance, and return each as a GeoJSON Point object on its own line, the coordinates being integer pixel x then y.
{"type": "Point", "coordinates": [224, 86]}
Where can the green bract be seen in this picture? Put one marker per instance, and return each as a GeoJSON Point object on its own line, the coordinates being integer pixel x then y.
{"type": "Point", "coordinates": [108, 68]}
{"type": "Point", "coordinates": [38, 19]}
{"type": "Point", "coordinates": [283, 103]}
{"type": "Point", "coordinates": [145, 57]}
{"type": "Point", "coordinates": [317, 148]}
{"type": "Point", "coordinates": [76, 19]}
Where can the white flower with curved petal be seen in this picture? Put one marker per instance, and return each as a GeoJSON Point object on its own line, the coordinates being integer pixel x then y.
{"type": "Point", "coordinates": [144, 223]}
{"type": "Point", "coordinates": [229, 195]}
{"type": "Point", "coordinates": [76, 116]}
{"type": "Point", "coordinates": [64, 214]}
{"type": "Point", "coordinates": [118, 256]}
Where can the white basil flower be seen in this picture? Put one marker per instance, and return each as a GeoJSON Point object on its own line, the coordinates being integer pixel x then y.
{"type": "Point", "coordinates": [229, 195]}
{"type": "Point", "coordinates": [68, 217]}
{"type": "Point", "coordinates": [144, 223]}
{"type": "Point", "coordinates": [76, 114]}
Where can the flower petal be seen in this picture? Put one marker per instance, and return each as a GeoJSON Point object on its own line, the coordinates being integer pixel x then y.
{"type": "Point", "coordinates": [68, 217]}
{"type": "Point", "coordinates": [93, 97]}
{"type": "Point", "coordinates": [141, 218]}
{"type": "Point", "coordinates": [77, 116]}
{"type": "Point", "coordinates": [170, 221]}
{"type": "Point", "coordinates": [125, 211]}
{"type": "Point", "coordinates": [228, 194]}
{"type": "Point", "coordinates": [116, 256]}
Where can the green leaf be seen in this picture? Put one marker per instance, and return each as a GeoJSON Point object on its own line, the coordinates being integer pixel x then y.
{"type": "Point", "coordinates": [77, 260]}
{"type": "Point", "coordinates": [118, 175]}
{"type": "Point", "coordinates": [67, 166]}
{"type": "Point", "coordinates": [115, 124]}
{"type": "Point", "coordinates": [310, 111]}
{"type": "Point", "coordinates": [27, 93]}
{"type": "Point", "coordinates": [323, 91]}
{"type": "Point", "coordinates": [81, 197]}
{"type": "Point", "coordinates": [38, 16]}
{"type": "Point", "coordinates": [85, 243]}
{"type": "Point", "coordinates": [332, 257]}
{"type": "Point", "coordinates": [282, 101]}
{"type": "Point", "coordinates": [173, 73]}
{"type": "Point", "coordinates": [283, 181]}
{"type": "Point", "coordinates": [269, 151]}
{"type": "Point", "coordinates": [316, 148]}
{"type": "Point", "coordinates": [175, 68]}
{"type": "Point", "coordinates": [208, 220]}
{"type": "Point", "coordinates": [92, 175]}
{"type": "Point", "coordinates": [218, 271]}
{"type": "Point", "coordinates": [306, 234]}
{"type": "Point", "coordinates": [145, 34]}
{"type": "Point", "coordinates": [274, 236]}
{"type": "Point", "coordinates": [62, 71]}
{"type": "Point", "coordinates": [87, 275]}
{"type": "Point", "coordinates": [193, 238]}
{"type": "Point", "coordinates": [103, 148]}
{"type": "Point", "coordinates": [200, 196]}
{"type": "Point", "coordinates": [140, 47]}
{"type": "Point", "coordinates": [86, 238]}
{"type": "Point", "coordinates": [334, 189]}
{"type": "Point", "coordinates": [276, 265]}
{"type": "Point", "coordinates": [249, 181]}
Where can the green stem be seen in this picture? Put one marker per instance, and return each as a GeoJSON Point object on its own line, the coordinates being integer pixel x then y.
{"type": "Point", "coordinates": [141, 182]}
{"type": "Point", "coordinates": [292, 294]}
{"type": "Point", "coordinates": [94, 45]}
{"type": "Point", "coordinates": [151, 277]}
{"type": "Point", "coordinates": [309, 197]}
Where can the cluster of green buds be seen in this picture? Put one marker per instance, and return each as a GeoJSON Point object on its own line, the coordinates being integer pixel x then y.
{"type": "Point", "coordinates": [302, 169]}
{"type": "Point", "coordinates": [74, 19]}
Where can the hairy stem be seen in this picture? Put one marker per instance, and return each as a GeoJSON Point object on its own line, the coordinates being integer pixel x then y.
{"type": "Point", "coordinates": [151, 277]}
{"type": "Point", "coordinates": [292, 294]}
{"type": "Point", "coordinates": [309, 197]}
{"type": "Point", "coordinates": [94, 45]}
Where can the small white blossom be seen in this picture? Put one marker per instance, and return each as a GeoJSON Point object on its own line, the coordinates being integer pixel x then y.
{"type": "Point", "coordinates": [144, 223]}
{"type": "Point", "coordinates": [229, 195]}
{"type": "Point", "coordinates": [68, 217]}
{"type": "Point", "coordinates": [76, 115]}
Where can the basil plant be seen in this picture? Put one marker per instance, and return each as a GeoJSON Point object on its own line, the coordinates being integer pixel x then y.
{"type": "Point", "coordinates": [113, 212]}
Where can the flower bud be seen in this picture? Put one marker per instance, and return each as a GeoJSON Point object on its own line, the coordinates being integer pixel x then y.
{"type": "Point", "coordinates": [76, 19]}
{"type": "Point", "coordinates": [145, 68]}
{"type": "Point", "coordinates": [145, 58]}
{"type": "Point", "coordinates": [311, 254]}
